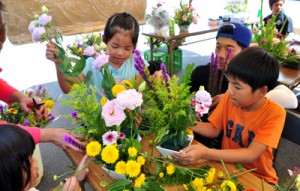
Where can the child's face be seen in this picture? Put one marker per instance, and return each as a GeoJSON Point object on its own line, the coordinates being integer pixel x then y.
{"type": "Point", "coordinates": [277, 7]}
{"type": "Point", "coordinates": [222, 46]}
{"type": "Point", "coordinates": [242, 96]}
{"type": "Point", "coordinates": [34, 173]}
{"type": "Point", "coordinates": [120, 48]}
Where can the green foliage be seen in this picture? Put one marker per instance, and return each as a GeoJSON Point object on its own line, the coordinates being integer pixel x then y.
{"type": "Point", "coordinates": [83, 100]}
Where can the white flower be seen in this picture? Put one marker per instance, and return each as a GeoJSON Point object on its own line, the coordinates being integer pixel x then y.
{"type": "Point", "coordinates": [112, 115]}
{"type": "Point", "coordinates": [202, 96]}
{"type": "Point", "coordinates": [44, 19]}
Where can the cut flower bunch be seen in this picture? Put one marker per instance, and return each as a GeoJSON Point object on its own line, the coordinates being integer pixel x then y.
{"type": "Point", "coordinates": [274, 42]}
{"type": "Point", "coordinates": [159, 16]}
{"type": "Point", "coordinates": [169, 108]}
{"type": "Point", "coordinates": [185, 14]}
{"type": "Point", "coordinates": [14, 113]}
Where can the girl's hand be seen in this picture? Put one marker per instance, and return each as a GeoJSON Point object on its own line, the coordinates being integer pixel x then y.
{"type": "Point", "coordinates": [51, 51]}
{"type": "Point", "coordinates": [71, 184]}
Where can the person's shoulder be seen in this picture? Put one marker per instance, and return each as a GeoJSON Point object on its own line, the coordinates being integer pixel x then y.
{"type": "Point", "coordinates": [274, 107]}
{"type": "Point", "coordinates": [202, 68]}
{"type": "Point", "coordinates": [267, 17]}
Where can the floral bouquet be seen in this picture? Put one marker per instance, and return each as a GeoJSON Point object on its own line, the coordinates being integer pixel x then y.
{"type": "Point", "coordinates": [292, 182]}
{"type": "Point", "coordinates": [185, 15]}
{"type": "Point", "coordinates": [236, 6]}
{"type": "Point", "coordinates": [15, 114]}
{"type": "Point", "coordinates": [274, 42]}
{"type": "Point", "coordinates": [169, 108]}
{"type": "Point", "coordinates": [159, 17]}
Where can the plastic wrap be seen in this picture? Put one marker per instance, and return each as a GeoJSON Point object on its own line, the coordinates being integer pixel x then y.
{"type": "Point", "coordinates": [69, 16]}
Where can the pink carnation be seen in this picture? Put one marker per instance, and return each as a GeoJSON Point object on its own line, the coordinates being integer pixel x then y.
{"type": "Point", "coordinates": [203, 97]}
{"type": "Point", "coordinates": [112, 115]}
{"type": "Point", "coordinates": [129, 99]}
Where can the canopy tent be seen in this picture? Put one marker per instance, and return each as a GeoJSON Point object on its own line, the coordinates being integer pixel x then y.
{"type": "Point", "coordinates": [69, 16]}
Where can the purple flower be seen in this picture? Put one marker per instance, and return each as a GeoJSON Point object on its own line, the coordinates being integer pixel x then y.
{"type": "Point", "coordinates": [292, 43]}
{"type": "Point", "coordinates": [26, 122]}
{"type": "Point", "coordinates": [44, 19]}
{"type": "Point", "coordinates": [164, 72]}
{"type": "Point", "coordinates": [110, 137]}
{"type": "Point", "coordinates": [70, 140]}
{"type": "Point", "coordinates": [32, 25]}
{"type": "Point", "coordinates": [100, 60]}
{"type": "Point", "coordinates": [37, 34]}
{"type": "Point", "coordinates": [89, 51]}
{"type": "Point", "coordinates": [262, 41]}
{"type": "Point", "coordinates": [74, 114]}
{"type": "Point", "coordinates": [51, 117]}
{"type": "Point", "coordinates": [1, 108]}
{"type": "Point", "coordinates": [293, 50]}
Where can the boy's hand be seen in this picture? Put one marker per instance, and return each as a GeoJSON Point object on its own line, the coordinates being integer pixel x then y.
{"type": "Point", "coordinates": [189, 155]}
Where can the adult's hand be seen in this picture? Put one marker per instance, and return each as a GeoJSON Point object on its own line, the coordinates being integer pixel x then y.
{"type": "Point", "coordinates": [216, 99]}
{"type": "Point", "coordinates": [71, 184]}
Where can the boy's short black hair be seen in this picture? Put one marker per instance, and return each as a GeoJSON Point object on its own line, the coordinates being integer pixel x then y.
{"type": "Point", "coordinates": [271, 2]}
{"type": "Point", "coordinates": [256, 67]}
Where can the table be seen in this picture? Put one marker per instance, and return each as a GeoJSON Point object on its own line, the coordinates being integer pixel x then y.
{"type": "Point", "coordinates": [97, 174]}
{"type": "Point", "coordinates": [289, 77]}
{"type": "Point", "coordinates": [173, 41]}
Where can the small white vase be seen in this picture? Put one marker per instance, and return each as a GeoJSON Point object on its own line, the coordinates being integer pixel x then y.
{"type": "Point", "coordinates": [114, 175]}
{"type": "Point", "coordinates": [168, 152]}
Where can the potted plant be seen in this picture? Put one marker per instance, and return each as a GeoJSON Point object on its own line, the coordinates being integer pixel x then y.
{"type": "Point", "coordinates": [169, 108]}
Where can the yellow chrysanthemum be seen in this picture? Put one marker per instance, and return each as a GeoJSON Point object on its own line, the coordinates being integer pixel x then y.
{"type": "Point", "coordinates": [211, 175]}
{"type": "Point", "coordinates": [161, 174]}
{"type": "Point", "coordinates": [103, 101]}
{"type": "Point", "coordinates": [170, 169]}
{"type": "Point", "coordinates": [12, 111]}
{"type": "Point", "coordinates": [48, 103]}
{"type": "Point", "coordinates": [220, 174]}
{"type": "Point", "coordinates": [228, 185]}
{"type": "Point", "coordinates": [103, 183]}
{"type": "Point", "coordinates": [141, 160]}
{"type": "Point", "coordinates": [93, 148]}
{"type": "Point", "coordinates": [133, 168]}
{"type": "Point", "coordinates": [110, 154]}
{"type": "Point", "coordinates": [80, 51]}
{"type": "Point", "coordinates": [198, 184]}
{"type": "Point", "coordinates": [118, 88]}
{"type": "Point", "coordinates": [132, 151]}
{"type": "Point", "coordinates": [189, 131]}
{"type": "Point", "coordinates": [139, 181]}
{"type": "Point", "coordinates": [185, 187]}
{"type": "Point", "coordinates": [128, 83]}
{"type": "Point", "coordinates": [120, 167]}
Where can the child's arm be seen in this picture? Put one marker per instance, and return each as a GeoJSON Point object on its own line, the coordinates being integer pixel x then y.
{"type": "Point", "coordinates": [205, 129]}
{"type": "Point", "coordinates": [64, 85]}
{"type": "Point", "coordinates": [193, 153]}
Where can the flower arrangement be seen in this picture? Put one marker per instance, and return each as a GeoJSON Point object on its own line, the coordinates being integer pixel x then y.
{"type": "Point", "coordinates": [274, 42]}
{"type": "Point", "coordinates": [169, 107]}
{"type": "Point", "coordinates": [15, 114]}
{"type": "Point", "coordinates": [185, 14]}
{"type": "Point", "coordinates": [236, 6]}
{"type": "Point", "coordinates": [159, 16]}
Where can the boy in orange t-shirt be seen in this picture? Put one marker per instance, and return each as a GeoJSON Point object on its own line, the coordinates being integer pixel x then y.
{"type": "Point", "coordinates": [252, 123]}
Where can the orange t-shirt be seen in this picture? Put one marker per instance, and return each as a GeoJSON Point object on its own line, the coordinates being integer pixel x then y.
{"type": "Point", "coordinates": [240, 128]}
